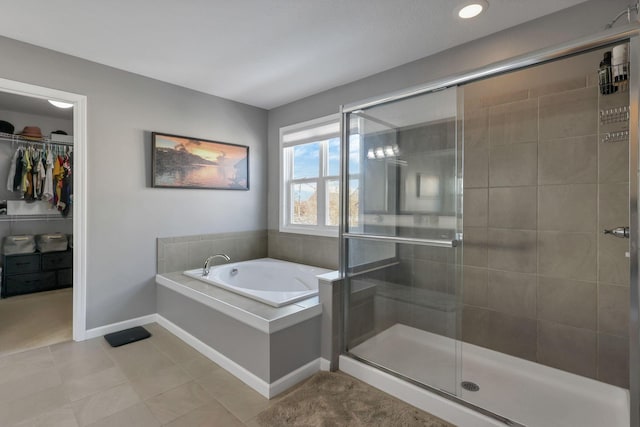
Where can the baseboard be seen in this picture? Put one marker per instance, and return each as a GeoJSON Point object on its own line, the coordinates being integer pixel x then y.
{"type": "Point", "coordinates": [416, 396]}
{"type": "Point", "coordinates": [250, 379]}
{"type": "Point", "coordinates": [119, 326]}
{"type": "Point", "coordinates": [325, 365]}
{"type": "Point", "coordinates": [294, 377]}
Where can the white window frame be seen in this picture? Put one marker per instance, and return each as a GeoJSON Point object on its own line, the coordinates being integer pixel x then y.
{"type": "Point", "coordinates": [316, 130]}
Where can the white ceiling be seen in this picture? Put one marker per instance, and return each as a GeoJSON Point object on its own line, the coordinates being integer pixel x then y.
{"type": "Point", "coordinates": [31, 105]}
{"type": "Point", "coordinates": [261, 52]}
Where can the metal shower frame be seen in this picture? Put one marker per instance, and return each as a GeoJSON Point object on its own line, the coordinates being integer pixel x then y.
{"type": "Point", "coordinates": [611, 36]}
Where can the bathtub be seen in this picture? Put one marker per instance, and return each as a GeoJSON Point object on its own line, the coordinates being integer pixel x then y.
{"type": "Point", "coordinates": [270, 281]}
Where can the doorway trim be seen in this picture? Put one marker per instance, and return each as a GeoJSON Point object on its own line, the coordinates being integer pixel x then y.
{"type": "Point", "coordinates": [79, 191]}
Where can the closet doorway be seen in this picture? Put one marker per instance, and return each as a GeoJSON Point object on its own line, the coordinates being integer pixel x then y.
{"type": "Point", "coordinates": [42, 217]}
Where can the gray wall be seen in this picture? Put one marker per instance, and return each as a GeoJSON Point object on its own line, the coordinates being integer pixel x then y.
{"type": "Point", "coordinates": [585, 19]}
{"type": "Point", "coordinates": [125, 215]}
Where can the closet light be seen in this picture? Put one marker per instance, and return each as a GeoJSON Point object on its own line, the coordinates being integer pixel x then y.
{"type": "Point", "coordinates": [472, 10]}
{"type": "Point", "coordinates": [60, 104]}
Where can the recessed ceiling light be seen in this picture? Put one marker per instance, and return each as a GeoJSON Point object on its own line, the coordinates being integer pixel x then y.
{"type": "Point", "coordinates": [472, 10]}
{"type": "Point", "coordinates": [60, 104]}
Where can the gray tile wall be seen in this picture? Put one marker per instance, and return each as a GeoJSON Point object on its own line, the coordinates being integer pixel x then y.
{"type": "Point", "coordinates": [188, 252]}
{"type": "Point", "coordinates": [541, 281]}
{"type": "Point", "coordinates": [304, 249]}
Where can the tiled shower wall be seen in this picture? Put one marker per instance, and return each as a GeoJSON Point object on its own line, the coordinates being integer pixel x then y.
{"type": "Point", "coordinates": [541, 280]}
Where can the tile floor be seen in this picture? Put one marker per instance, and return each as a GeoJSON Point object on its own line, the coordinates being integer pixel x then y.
{"type": "Point", "coordinates": [154, 382]}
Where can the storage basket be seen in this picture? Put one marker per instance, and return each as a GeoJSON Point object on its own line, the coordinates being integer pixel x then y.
{"type": "Point", "coordinates": [24, 244]}
{"type": "Point", "coordinates": [53, 242]}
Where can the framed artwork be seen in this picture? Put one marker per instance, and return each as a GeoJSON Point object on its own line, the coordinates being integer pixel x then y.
{"type": "Point", "coordinates": [186, 162]}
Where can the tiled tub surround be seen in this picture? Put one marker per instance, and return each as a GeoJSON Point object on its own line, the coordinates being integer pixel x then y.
{"type": "Point", "coordinates": [541, 281]}
{"type": "Point", "coordinates": [268, 348]}
{"type": "Point", "coordinates": [304, 249]}
{"type": "Point", "coordinates": [188, 252]}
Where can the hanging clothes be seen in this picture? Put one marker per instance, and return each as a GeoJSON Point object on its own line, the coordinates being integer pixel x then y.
{"type": "Point", "coordinates": [17, 179]}
{"type": "Point", "coordinates": [47, 192]}
{"type": "Point", "coordinates": [35, 173]}
{"type": "Point", "coordinates": [43, 173]}
{"type": "Point", "coordinates": [27, 183]}
{"type": "Point", "coordinates": [58, 176]}
{"type": "Point", "coordinates": [64, 194]}
{"type": "Point", "coordinates": [12, 171]}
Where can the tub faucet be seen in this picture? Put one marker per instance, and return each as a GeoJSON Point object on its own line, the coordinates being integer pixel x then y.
{"type": "Point", "coordinates": [207, 263]}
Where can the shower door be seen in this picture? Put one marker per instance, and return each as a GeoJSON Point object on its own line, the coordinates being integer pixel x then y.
{"type": "Point", "coordinates": [402, 223]}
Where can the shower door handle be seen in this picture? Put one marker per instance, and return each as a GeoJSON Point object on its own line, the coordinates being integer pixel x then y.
{"type": "Point", "coordinates": [621, 232]}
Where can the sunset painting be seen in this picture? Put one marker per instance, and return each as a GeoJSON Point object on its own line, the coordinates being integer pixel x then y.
{"type": "Point", "coordinates": [184, 162]}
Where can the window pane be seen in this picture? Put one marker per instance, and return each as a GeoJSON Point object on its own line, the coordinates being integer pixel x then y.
{"type": "Point", "coordinates": [306, 160]}
{"type": "Point", "coordinates": [333, 202]}
{"type": "Point", "coordinates": [354, 202]}
{"type": "Point", "coordinates": [304, 203]}
{"type": "Point", "coordinates": [354, 154]}
{"type": "Point", "coordinates": [334, 157]}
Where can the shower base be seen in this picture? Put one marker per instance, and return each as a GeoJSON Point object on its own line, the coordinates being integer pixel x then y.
{"type": "Point", "coordinates": [522, 391]}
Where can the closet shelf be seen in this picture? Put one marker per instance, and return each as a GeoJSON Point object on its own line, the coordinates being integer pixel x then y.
{"type": "Point", "coordinates": [8, 137]}
{"type": "Point", "coordinates": [21, 218]}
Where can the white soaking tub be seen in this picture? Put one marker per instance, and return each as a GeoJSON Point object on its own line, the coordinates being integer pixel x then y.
{"type": "Point", "coordinates": [270, 281]}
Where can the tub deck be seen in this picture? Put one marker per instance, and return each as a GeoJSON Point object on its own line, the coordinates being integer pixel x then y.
{"type": "Point", "coordinates": [263, 317]}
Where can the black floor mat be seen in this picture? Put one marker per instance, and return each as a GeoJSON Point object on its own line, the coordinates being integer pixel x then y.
{"type": "Point", "coordinates": [127, 336]}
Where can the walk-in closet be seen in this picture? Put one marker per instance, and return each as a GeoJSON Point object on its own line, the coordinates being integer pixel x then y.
{"type": "Point", "coordinates": [36, 222]}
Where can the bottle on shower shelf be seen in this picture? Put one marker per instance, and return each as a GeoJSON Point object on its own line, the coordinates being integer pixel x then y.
{"type": "Point", "coordinates": [620, 63]}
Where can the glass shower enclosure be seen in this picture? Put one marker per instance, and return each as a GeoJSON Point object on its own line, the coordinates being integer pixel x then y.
{"type": "Point", "coordinates": [401, 238]}
{"type": "Point", "coordinates": [527, 304]}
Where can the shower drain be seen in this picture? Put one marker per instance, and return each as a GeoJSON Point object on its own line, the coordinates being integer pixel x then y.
{"type": "Point", "coordinates": [469, 386]}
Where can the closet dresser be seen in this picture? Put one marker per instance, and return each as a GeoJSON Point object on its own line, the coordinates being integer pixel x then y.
{"type": "Point", "coordinates": [36, 272]}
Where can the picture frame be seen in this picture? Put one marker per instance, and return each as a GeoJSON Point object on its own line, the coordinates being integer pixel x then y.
{"type": "Point", "coordinates": [187, 162]}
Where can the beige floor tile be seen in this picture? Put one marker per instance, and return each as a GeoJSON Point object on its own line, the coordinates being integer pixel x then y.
{"type": "Point", "coordinates": [210, 415]}
{"type": "Point", "coordinates": [160, 381]}
{"type": "Point", "coordinates": [61, 417]}
{"type": "Point", "coordinates": [26, 363]}
{"type": "Point", "coordinates": [72, 351]}
{"type": "Point", "coordinates": [35, 320]}
{"type": "Point", "coordinates": [81, 387]}
{"type": "Point", "coordinates": [89, 365]}
{"type": "Point", "coordinates": [134, 416]}
{"type": "Point", "coordinates": [37, 404]}
{"type": "Point", "coordinates": [139, 358]}
{"type": "Point", "coordinates": [241, 400]}
{"type": "Point", "coordinates": [199, 366]}
{"type": "Point", "coordinates": [253, 422]}
{"type": "Point", "coordinates": [174, 347]}
{"type": "Point", "coordinates": [21, 388]}
{"type": "Point", "coordinates": [172, 404]}
{"type": "Point", "coordinates": [105, 403]}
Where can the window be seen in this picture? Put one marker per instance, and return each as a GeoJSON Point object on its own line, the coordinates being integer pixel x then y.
{"type": "Point", "coordinates": [309, 177]}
